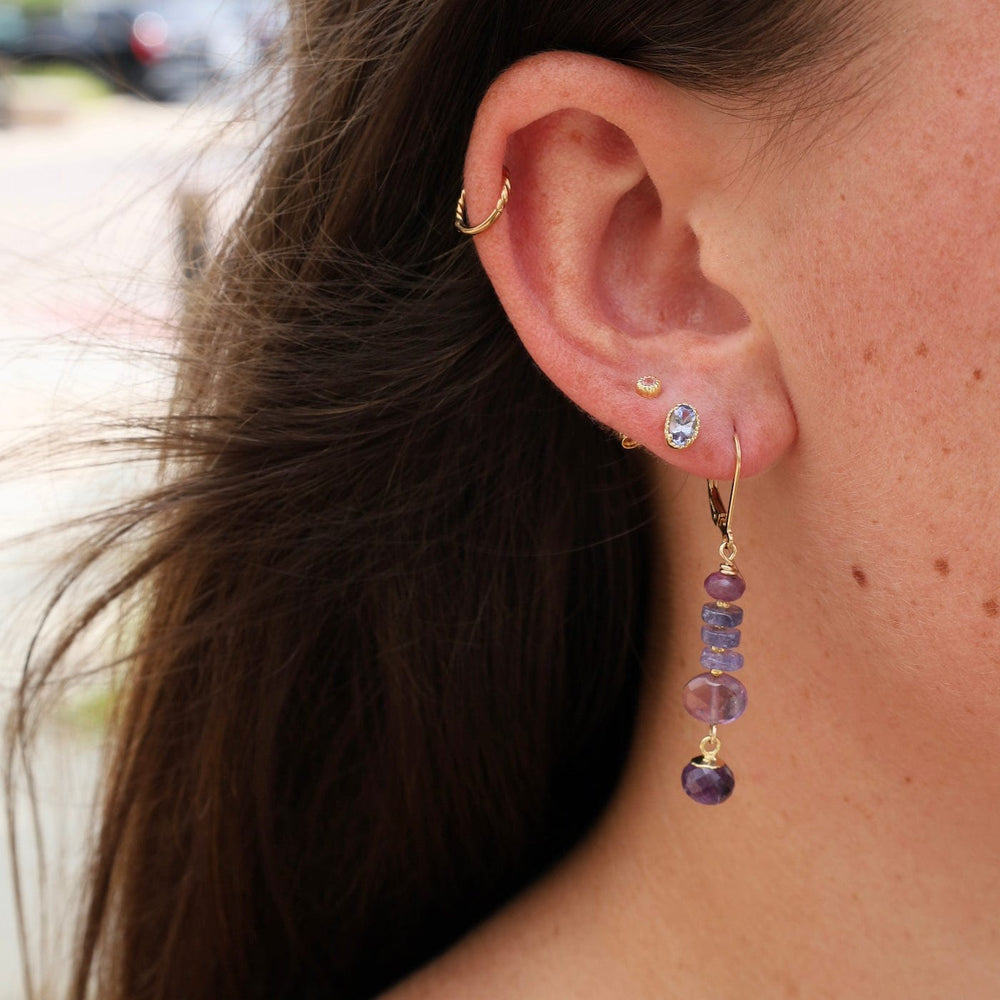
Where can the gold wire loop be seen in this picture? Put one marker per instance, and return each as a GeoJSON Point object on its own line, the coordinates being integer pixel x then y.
{"type": "Point", "coordinates": [710, 746]}
{"type": "Point", "coordinates": [462, 223]}
{"type": "Point", "coordinates": [628, 443]}
{"type": "Point", "coordinates": [727, 551]}
{"type": "Point", "coordinates": [722, 515]}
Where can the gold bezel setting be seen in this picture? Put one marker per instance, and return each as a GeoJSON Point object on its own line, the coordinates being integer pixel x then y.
{"type": "Point", "coordinates": [686, 422]}
{"type": "Point", "coordinates": [648, 387]}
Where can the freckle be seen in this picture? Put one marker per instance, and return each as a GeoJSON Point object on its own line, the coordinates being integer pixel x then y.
{"type": "Point", "coordinates": [869, 355]}
{"type": "Point", "coordinates": [941, 565]}
{"type": "Point", "coordinates": [991, 608]}
{"type": "Point", "coordinates": [921, 350]}
{"type": "Point", "coordinates": [946, 450]}
{"type": "Point", "coordinates": [859, 575]}
{"type": "Point", "coordinates": [977, 374]}
{"type": "Point", "coordinates": [908, 779]}
{"type": "Point", "coordinates": [968, 160]}
{"type": "Point", "coordinates": [843, 197]}
{"type": "Point", "coordinates": [959, 92]}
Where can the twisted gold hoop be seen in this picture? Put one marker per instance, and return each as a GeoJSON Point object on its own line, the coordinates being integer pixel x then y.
{"type": "Point", "coordinates": [462, 223]}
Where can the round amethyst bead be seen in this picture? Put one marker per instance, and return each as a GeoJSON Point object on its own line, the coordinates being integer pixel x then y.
{"type": "Point", "coordinates": [708, 786]}
{"type": "Point", "coordinates": [715, 700]}
{"type": "Point", "coordinates": [721, 638]}
{"type": "Point", "coordinates": [724, 587]}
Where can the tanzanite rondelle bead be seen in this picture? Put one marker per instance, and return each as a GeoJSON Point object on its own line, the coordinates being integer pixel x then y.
{"type": "Point", "coordinates": [715, 700]}
{"type": "Point", "coordinates": [728, 661]}
{"type": "Point", "coordinates": [724, 587]}
{"type": "Point", "coordinates": [708, 786]}
{"type": "Point", "coordinates": [712, 614]}
{"type": "Point", "coordinates": [721, 638]}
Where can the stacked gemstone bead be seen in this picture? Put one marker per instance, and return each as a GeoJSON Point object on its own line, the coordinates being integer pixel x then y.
{"type": "Point", "coordinates": [716, 696]}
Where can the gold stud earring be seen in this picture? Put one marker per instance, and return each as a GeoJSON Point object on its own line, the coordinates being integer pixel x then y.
{"type": "Point", "coordinates": [648, 386]}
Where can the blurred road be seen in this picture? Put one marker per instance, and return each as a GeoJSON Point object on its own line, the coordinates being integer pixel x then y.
{"type": "Point", "coordinates": [87, 274]}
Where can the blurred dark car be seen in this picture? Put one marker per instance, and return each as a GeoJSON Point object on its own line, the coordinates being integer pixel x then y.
{"type": "Point", "coordinates": [164, 49]}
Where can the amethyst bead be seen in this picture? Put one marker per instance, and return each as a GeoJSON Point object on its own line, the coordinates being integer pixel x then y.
{"type": "Point", "coordinates": [721, 638]}
{"type": "Point", "coordinates": [711, 660]}
{"type": "Point", "coordinates": [724, 587]}
{"type": "Point", "coordinates": [712, 614]}
{"type": "Point", "coordinates": [715, 700]}
{"type": "Point", "coordinates": [708, 786]}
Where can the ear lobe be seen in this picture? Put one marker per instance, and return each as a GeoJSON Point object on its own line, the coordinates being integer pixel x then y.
{"type": "Point", "coordinates": [616, 178]}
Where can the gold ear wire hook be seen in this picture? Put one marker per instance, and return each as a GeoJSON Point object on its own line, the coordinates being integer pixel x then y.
{"type": "Point", "coordinates": [722, 516]}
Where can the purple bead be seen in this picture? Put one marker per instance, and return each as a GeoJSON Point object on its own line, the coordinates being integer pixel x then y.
{"type": "Point", "coordinates": [708, 786]}
{"type": "Point", "coordinates": [721, 638]}
{"type": "Point", "coordinates": [724, 587]}
{"type": "Point", "coordinates": [712, 614]}
{"type": "Point", "coordinates": [711, 660]}
{"type": "Point", "coordinates": [715, 700]}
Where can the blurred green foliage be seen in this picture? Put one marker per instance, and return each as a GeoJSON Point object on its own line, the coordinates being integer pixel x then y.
{"type": "Point", "coordinates": [37, 6]}
{"type": "Point", "coordinates": [88, 713]}
{"type": "Point", "coordinates": [65, 80]}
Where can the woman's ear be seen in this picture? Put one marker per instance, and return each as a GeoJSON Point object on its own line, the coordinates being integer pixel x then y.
{"type": "Point", "coordinates": [611, 257]}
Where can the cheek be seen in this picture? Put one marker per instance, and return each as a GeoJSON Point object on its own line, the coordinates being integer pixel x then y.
{"type": "Point", "coordinates": [876, 255]}
{"type": "Point", "coordinates": [889, 302]}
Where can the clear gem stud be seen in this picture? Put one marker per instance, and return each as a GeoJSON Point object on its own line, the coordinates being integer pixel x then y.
{"type": "Point", "coordinates": [681, 427]}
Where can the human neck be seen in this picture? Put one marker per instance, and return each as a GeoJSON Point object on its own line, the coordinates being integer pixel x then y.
{"type": "Point", "coordinates": [858, 855]}
{"type": "Point", "coordinates": [852, 851]}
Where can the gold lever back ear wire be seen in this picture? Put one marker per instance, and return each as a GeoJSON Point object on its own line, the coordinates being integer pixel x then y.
{"type": "Point", "coordinates": [462, 223]}
{"type": "Point", "coordinates": [722, 516]}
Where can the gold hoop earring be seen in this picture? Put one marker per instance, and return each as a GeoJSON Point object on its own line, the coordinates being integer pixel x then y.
{"type": "Point", "coordinates": [462, 223]}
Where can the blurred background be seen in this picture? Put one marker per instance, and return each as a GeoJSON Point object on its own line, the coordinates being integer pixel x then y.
{"type": "Point", "coordinates": [127, 133]}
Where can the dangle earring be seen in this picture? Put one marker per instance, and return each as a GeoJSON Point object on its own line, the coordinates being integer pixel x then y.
{"type": "Point", "coordinates": [716, 696]}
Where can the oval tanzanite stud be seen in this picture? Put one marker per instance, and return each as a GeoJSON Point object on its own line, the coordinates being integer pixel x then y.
{"type": "Point", "coordinates": [681, 426]}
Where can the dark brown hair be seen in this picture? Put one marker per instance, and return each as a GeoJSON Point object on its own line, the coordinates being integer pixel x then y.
{"type": "Point", "coordinates": [392, 589]}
